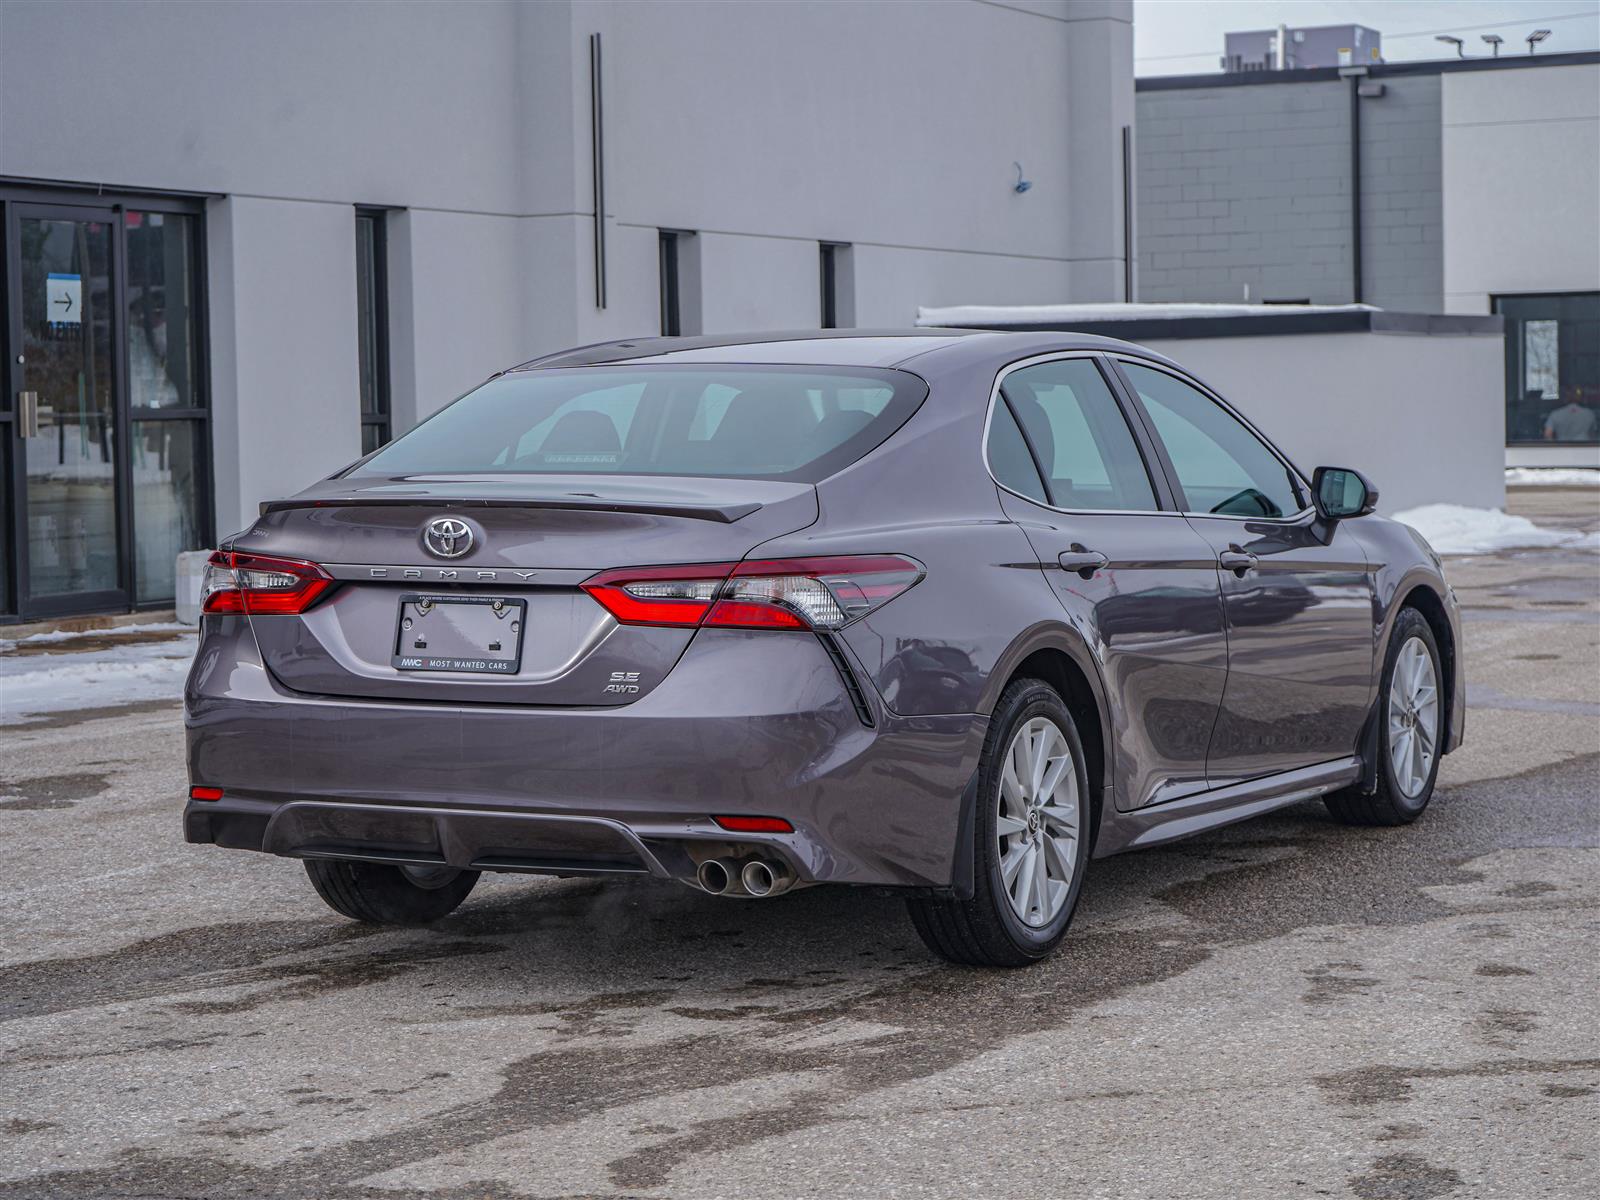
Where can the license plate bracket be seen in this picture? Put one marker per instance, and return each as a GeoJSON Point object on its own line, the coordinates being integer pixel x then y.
{"type": "Point", "coordinates": [480, 635]}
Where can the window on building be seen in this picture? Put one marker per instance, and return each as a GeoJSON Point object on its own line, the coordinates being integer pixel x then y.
{"type": "Point", "coordinates": [372, 321]}
{"type": "Point", "coordinates": [671, 241]}
{"type": "Point", "coordinates": [837, 285]}
{"type": "Point", "coordinates": [1552, 367]}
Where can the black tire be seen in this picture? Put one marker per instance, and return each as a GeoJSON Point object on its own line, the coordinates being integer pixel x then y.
{"type": "Point", "coordinates": [985, 931]}
{"type": "Point", "coordinates": [380, 894]}
{"type": "Point", "coordinates": [1389, 804]}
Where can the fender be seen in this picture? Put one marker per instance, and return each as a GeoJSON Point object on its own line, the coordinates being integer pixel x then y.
{"type": "Point", "coordinates": [1055, 635]}
{"type": "Point", "coordinates": [1388, 598]}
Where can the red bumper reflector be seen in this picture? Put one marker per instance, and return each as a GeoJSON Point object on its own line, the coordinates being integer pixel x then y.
{"type": "Point", "coordinates": [754, 824]}
{"type": "Point", "coordinates": [205, 793]}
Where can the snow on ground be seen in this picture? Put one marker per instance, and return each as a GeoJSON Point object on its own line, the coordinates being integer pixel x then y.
{"type": "Point", "coordinates": [58, 682]}
{"type": "Point", "coordinates": [67, 635]}
{"type": "Point", "coordinates": [1067, 314]}
{"type": "Point", "coordinates": [1552, 477]}
{"type": "Point", "coordinates": [1457, 529]}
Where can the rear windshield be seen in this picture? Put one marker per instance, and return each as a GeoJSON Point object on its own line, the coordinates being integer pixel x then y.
{"type": "Point", "coordinates": [766, 422]}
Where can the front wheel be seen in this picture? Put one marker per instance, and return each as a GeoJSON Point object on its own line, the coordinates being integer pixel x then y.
{"type": "Point", "coordinates": [380, 894]}
{"type": "Point", "coordinates": [1410, 731]}
{"type": "Point", "coordinates": [1031, 838]}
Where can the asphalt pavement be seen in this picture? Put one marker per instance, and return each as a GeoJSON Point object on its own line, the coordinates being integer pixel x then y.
{"type": "Point", "coordinates": [1287, 1007]}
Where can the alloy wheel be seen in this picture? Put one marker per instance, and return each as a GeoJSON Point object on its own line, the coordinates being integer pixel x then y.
{"type": "Point", "coordinates": [1036, 827]}
{"type": "Point", "coordinates": [429, 878]}
{"type": "Point", "coordinates": [1413, 717]}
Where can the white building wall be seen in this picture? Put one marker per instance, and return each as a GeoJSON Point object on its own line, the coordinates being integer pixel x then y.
{"type": "Point", "coordinates": [1521, 161]}
{"type": "Point", "coordinates": [288, 349]}
{"type": "Point", "coordinates": [1384, 403]}
{"type": "Point", "coordinates": [765, 126]}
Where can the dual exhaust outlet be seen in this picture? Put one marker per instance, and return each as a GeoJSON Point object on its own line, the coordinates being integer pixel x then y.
{"type": "Point", "coordinates": [755, 877]}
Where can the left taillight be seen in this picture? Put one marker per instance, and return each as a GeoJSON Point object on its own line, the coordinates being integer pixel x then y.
{"type": "Point", "coordinates": [792, 593]}
{"type": "Point", "coordinates": [258, 584]}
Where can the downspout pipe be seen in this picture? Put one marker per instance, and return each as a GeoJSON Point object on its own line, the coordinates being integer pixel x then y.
{"type": "Point", "coordinates": [1355, 188]}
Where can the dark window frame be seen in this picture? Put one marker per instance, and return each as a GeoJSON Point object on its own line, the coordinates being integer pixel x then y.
{"type": "Point", "coordinates": [669, 251]}
{"type": "Point", "coordinates": [1512, 360]}
{"type": "Point", "coordinates": [828, 262]}
{"type": "Point", "coordinates": [380, 418]}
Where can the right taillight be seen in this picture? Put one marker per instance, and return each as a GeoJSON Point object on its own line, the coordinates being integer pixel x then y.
{"type": "Point", "coordinates": [790, 593]}
{"type": "Point", "coordinates": [259, 584]}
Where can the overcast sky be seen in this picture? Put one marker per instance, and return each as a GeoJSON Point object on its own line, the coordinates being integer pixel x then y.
{"type": "Point", "coordinates": [1163, 30]}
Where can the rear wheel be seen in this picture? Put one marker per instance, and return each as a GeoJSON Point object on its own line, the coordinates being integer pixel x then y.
{"type": "Point", "coordinates": [1030, 843]}
{"type": "Point", "coordinates": [384, 895]}
{"type": "Point", "coordinates": [1410, 731]}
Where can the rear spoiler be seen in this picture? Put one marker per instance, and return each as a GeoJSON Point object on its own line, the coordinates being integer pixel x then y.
{"type": "Point", "coordinates": [724, 514]}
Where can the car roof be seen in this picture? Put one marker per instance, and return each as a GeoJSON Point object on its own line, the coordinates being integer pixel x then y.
{"type": "Point", "coordinates": [828, 347]}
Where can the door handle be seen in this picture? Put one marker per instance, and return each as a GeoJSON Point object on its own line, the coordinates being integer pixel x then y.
{"type": "Point", "coordinates": [1084, 562]}
{"type": "Point", "coordinates": [28, 413]}
{"type": "Point", "coordinates": [1236, 560]}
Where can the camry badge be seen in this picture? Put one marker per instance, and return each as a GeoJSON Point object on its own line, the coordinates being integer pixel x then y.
{"type": "Point", "coordinates": [447, 537]}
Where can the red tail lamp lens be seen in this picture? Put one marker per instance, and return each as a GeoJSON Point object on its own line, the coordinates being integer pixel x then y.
{"type": "Point", "coordinates": [754, 824]}
{"type": "Point", "coordinates": [205, 793]}
{"type": "Point", "coordinates": [793, 593]}
{"type": "Point", "coordinates": [257, 584]}
{"type": "Point", "coordinates": [680, 595]}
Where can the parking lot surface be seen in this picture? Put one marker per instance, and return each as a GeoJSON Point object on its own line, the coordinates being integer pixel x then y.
{"type": "Point", "coordinates": [1287, 1007]}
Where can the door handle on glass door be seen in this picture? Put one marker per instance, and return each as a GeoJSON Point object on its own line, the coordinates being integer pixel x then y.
{"type": "Point", "coordinates": [1084, 562]}
{"type": "Point", "coordinates": [28, 413]}
{"type": "Point", "coordinates": [1236, 560]}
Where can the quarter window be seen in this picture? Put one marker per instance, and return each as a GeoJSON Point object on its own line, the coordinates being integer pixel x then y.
{"type": "Point", "coordinates": [1221, 465]}
{"type": "Point", "coordinates": [1009, 458]}
{"type": "Point", "coordinates": [1072, 428]}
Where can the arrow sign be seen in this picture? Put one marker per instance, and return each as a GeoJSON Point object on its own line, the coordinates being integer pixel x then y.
{"type": "Point", "coordinates": [64, 299]}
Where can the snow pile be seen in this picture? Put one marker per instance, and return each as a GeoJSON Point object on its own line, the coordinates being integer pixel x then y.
{"type": "Point", "coordinates": [1552, 477]}
{"type": "Point", "coordinates": [1070, 314]}
{"type": "Point", "coordinates": [46, 683]}
{"type": "Point", "coordinates": [1457, 529]}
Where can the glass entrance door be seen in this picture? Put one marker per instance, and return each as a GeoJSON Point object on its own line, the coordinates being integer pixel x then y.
{"type": "Point", "coordinates": [65, 393]}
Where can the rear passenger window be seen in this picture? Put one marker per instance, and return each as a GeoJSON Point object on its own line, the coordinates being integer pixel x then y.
{"type": "Point", "coordinates": [1079, 436]}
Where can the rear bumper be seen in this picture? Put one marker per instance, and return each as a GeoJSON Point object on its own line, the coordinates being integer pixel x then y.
{"type": "Point", "coordinates": [746, 723]}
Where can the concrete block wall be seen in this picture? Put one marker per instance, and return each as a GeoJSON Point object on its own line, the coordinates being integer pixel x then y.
{"type": "Point", "coordinates": [1244, 186]}
{"type": "Point", "coordinates": [1402, 197]}
{"type": "Point", "coordinates": [1250, 186]}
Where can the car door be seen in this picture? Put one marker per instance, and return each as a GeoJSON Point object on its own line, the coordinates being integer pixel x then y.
{"type": "Point", "coordinates": [1298, 594]}
{"type": "Point", "coordinates": [1135, 578]}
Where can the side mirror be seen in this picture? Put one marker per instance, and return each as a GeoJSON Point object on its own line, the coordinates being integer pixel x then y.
{"type": "Point", "coordinates": [1340, 492]}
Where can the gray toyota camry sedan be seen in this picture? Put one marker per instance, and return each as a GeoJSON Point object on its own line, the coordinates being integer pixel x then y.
{"type": "Point", "coordinates": [953, 613]}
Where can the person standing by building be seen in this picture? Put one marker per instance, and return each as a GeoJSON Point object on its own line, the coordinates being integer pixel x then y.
{"type": "Point", "coordinates": [1572, 422]}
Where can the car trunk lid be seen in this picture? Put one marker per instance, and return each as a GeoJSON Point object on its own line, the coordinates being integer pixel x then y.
{"type": "Point", "coordinates": [525, 542]}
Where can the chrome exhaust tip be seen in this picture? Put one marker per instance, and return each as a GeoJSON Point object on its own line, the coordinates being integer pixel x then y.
{"type": "Point", "coordinates": [716, 875]}
{"type": "Point", "coordinates": [762, 878]}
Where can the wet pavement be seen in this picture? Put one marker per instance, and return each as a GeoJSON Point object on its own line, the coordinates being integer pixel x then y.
{"type": "Point", "coordinates": [1286, 1007]}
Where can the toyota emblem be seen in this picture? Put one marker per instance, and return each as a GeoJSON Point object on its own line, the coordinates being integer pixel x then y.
{"type": "Point", "coordinates": [447, 537]}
